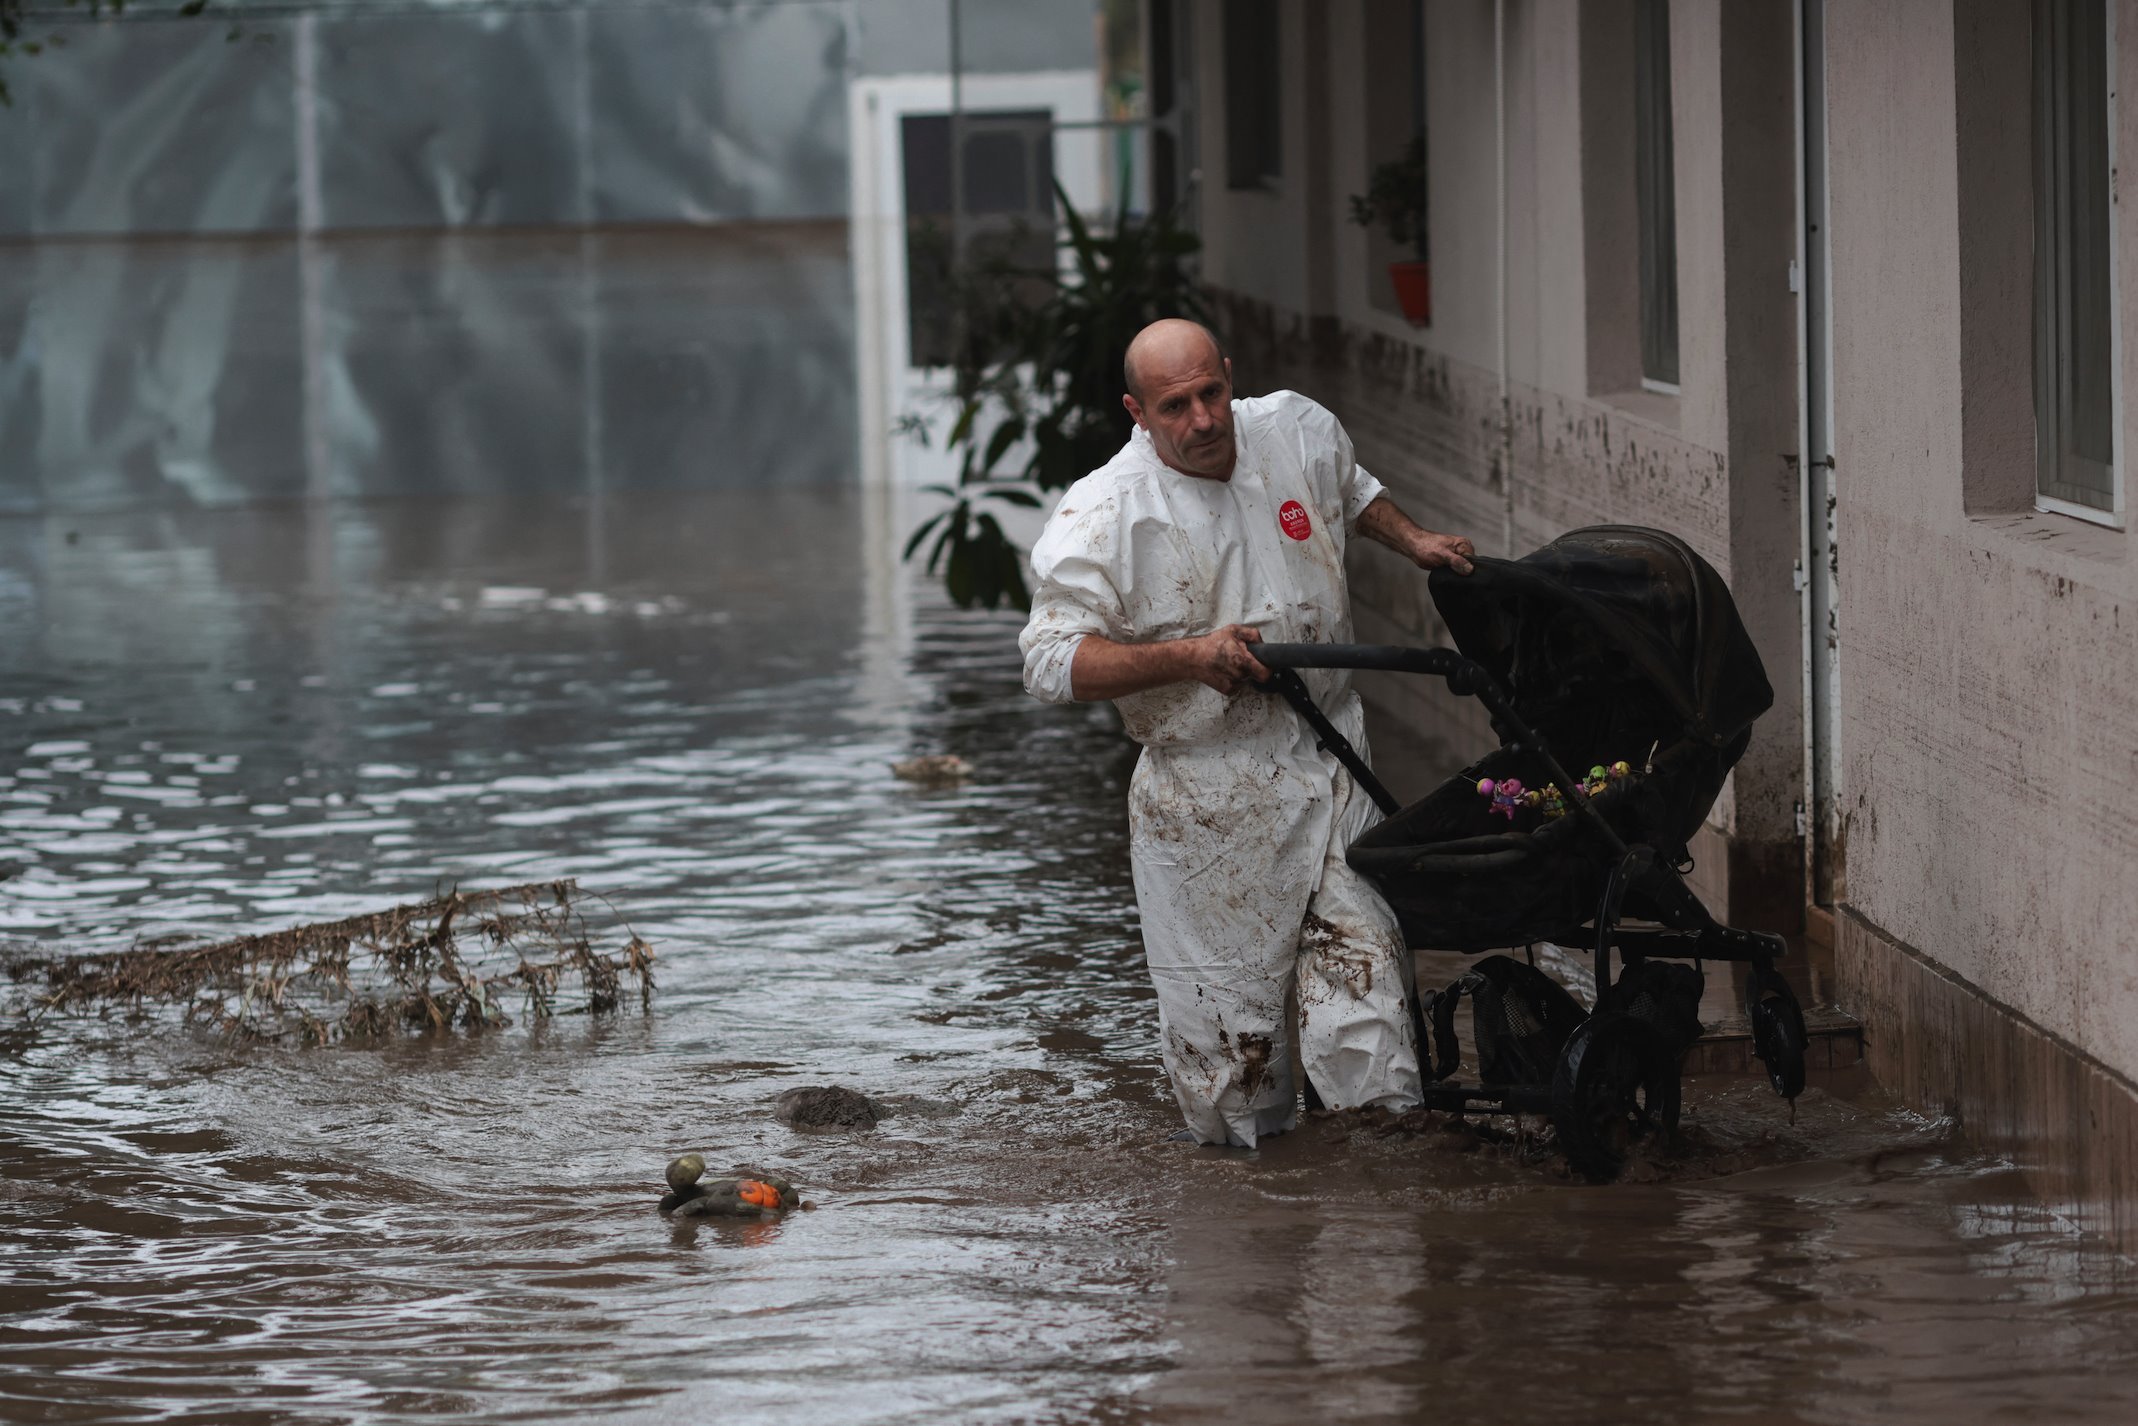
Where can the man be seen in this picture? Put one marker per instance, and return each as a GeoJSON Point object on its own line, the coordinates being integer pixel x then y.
{"type": "Point", "coordinates": [1222, 523]}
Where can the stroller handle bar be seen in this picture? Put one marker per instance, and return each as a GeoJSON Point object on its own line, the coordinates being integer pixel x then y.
{"type": "Point", "coordinates": [1394, 658]}
{"type": "Point", "coordinates": [1464, 676]}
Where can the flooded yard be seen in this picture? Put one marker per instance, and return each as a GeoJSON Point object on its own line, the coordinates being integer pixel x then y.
{"type": "Point", "coordinates": [235, 721]}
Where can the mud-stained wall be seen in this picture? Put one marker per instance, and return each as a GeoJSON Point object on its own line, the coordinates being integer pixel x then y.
{"type": "Point", "coordinates": [1990, 729]}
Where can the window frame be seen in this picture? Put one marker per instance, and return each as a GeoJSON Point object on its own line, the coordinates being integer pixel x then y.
{"type": "Point", "coordinates": [2049, 390]}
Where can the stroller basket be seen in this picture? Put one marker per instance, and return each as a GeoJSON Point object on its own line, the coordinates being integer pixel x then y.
{"type": "Point", "coordinates": [1461, 878]}
{"type": "Point", "coordinates": [1611, 643]}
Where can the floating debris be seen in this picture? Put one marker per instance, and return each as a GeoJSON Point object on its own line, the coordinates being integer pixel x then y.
{"type": "Point", "coordinates": [451, 961]}
{"type": "Point", "coordinates": [748, 1192]}
{"type": "Point", "coordinates": [828, 1106]}
{"type": "Point", "coordinates": [933, 770]}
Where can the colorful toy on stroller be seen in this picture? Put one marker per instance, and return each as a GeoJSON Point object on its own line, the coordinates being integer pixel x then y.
{"type": "Point", "coordinates": [1614, 651]}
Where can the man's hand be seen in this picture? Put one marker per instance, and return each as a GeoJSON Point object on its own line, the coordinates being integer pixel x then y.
{"type": "Point", "coordinates": [1221, 659]}
{"type": "Point", "coordinates": [1382, 521]}
{"type": "Point", "coordinates": [1434, 551]}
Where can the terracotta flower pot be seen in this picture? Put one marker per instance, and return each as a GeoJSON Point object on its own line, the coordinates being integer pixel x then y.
{"type": "Point", "coordinates": [1414, 290]}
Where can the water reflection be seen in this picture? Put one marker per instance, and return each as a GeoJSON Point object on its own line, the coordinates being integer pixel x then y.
{"type": "Point", "coordinates": [222, 371]}
{"type": "Point", "coordinates": [233, 722]}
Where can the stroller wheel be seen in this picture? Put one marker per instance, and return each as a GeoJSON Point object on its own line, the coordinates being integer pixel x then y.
{"type": "Point", "coordinates": [1616, 1087]}
{"type": "Point", "coordinates": [1778, 1035]}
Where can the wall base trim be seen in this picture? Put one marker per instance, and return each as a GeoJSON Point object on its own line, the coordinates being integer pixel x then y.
{"type": "Point", "coordinates": [1942, 1044]}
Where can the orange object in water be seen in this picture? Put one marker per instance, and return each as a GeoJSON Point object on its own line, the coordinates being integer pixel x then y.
{"type": "Point", "coordinates": [751, 1190]}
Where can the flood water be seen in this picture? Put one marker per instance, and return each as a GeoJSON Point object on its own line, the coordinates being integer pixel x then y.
{"type": "Point", "coordinates": [238, 721]}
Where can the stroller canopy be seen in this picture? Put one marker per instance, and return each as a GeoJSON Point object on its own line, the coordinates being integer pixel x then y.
{"type": "Point", "coordinates": [1610, 635]}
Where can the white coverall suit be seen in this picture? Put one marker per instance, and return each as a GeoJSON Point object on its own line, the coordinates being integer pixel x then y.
{"type": "Point", "coordinates": [1237, 823]}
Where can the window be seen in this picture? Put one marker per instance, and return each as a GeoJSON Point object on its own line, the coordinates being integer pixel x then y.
{"type": "Point", "coordinates": [2074, 314]}
{"type": "Point", "coordinates": [1656, 194]}
{"type": "Point", "coordinates": [1254, 130]}
{"type": "Point", "coordinates": [1162, 57]}
{"type": "Point", "coordinates": [1393, 66]}
{"type": "Point", "coordinates": [1008, 216]}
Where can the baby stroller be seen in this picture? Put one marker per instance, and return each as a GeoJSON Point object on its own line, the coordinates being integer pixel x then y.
{"type": "Point", "coordinates": [1612, 645]}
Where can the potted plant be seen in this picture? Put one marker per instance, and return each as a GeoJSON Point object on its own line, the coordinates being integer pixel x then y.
{"type": "Point", "coordinates": [1395, 202]}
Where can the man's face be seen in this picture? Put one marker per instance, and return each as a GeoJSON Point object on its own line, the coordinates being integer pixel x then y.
{"type": "Point", "coordinates": [1187, 407]}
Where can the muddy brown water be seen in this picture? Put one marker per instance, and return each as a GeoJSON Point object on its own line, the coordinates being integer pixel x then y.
{"type": "Point", "coordinates": [236, 721]}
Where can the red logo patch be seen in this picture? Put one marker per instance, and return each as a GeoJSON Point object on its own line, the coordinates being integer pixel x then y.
{"type": "Point", "coordinates": [1293, 517]}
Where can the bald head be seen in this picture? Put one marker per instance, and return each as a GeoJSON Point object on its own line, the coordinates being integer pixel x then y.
{"type": "Point", "coordinates": [1180, 392]}
{"type": "Point", "coordinates": [1167, 345]}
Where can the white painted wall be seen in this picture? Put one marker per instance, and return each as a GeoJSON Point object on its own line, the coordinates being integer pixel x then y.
{"type": "Point", "coordinates": [1990, 722]}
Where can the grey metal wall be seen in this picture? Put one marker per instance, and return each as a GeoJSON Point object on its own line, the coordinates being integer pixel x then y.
{"type": "Point", "coordinates": [390, 247]}
{"type": "Point", "coordinates": [406, 114]}
{"type": "Point", "coordinates": [382, 249]}
{"type": "Point", "coordinates": [995, 36]}
{"type": "Point", "coordinates": [373, 115]}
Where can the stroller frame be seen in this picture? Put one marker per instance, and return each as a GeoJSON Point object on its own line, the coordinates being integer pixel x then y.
{"type": "Point", "coordinates": [1616, 1081]}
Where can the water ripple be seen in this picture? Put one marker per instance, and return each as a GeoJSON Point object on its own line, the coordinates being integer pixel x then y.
{"type": "Point", "coordinates": [321, 712]}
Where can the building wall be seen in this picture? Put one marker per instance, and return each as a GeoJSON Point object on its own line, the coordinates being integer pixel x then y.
{"type": "Point", "coordinates": [1990, 729]}
{"type": "Point", "coordinates": [376, 115]}
{"type": "Point", "coordinates": [1587, 446]}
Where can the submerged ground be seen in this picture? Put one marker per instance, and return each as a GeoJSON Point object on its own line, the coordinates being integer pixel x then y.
{"type": "Point", "coordinates": [238, 721]}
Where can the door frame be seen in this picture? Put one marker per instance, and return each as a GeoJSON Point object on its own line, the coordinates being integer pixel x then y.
{"type": "Point", "coordinates": [890, 385]}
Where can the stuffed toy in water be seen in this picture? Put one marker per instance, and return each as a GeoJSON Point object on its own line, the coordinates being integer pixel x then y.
{"type": "Point", "coordinates": [749, 1193]}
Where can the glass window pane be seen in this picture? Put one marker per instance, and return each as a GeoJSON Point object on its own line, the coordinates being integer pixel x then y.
{"type": "Point", "coordinates": [1392, 69]}
{"type": "Point", "coordinates": [1253, 129]}
{"type": "Point", "coordinates": [1009, 215]}
{"type": "Point", "coordinates": [2074, 332]}
{"type": "Point", "coordinates": [2092, 403]}
{"type": "Point", "coordinates": [1162, 58]}
{"type": "Point", "coordinates": [1657, 196]}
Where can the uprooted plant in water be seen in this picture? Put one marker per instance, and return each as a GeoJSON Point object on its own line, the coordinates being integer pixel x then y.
{"type": "Point", "coordinates": [452, 961]}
